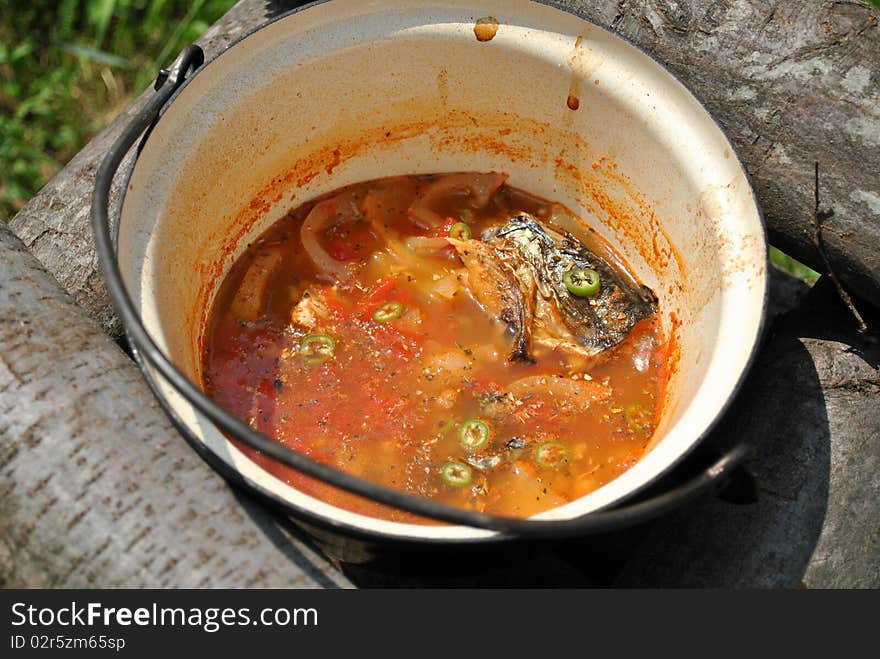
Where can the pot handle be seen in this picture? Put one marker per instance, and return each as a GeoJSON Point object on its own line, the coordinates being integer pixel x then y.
{"type": "Point", "coordinates": [191, 58]}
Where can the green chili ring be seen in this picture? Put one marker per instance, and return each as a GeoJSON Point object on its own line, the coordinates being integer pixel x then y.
{"type": "Point", "coordinates": [456, 474]}
{"type": "Point", "coordinates": [582, 282]}
{"type": "Point", "coordinates": [473, 433]}
{"type": "Point", "coordinates": [460, 231]}
{"type": "Point", "coordinates": [552, 455]}
{"type": "Point", "coordinates": [388, 312]}
{"type": "Point", "coordinates": [317, 348]}
{"type": "Point", "coordinates": [638, 417]}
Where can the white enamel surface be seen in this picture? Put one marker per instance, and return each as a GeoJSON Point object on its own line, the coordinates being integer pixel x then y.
{"type": "Point", "coordinates": [343, 74]}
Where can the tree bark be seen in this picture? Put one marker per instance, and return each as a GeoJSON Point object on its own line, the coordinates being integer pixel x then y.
{"type": "Point", "coordinates": [96, 486]}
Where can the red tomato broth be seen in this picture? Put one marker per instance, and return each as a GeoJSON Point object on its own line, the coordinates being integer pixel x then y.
{"type": "Point", "coordinates": [390, 403]}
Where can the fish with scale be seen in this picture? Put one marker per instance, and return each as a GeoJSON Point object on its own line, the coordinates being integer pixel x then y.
{"type": "Point", "coordinates": [525, 275]}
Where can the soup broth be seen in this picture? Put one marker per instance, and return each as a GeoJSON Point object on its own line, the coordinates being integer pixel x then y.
{"type": "Point", "coordinates": [411, 331]}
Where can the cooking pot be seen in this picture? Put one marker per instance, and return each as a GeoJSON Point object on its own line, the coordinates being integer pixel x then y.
{"type": "Point", "coordinates": [343, 91]}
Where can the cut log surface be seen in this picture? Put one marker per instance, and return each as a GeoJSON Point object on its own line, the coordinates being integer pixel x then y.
{"type": "Point", "coordinates": [97, 489]}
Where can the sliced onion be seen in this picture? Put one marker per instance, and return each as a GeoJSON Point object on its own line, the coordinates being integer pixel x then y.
{"type": "Point", "coordinates": [480, 188]}
{"type": "Point", "coordinates": [330, 212]}
{"type": "Point", "coordinates": [447, 287]}
{"type": "Point", "coordinates": [409, 251]}
{"type": "Point", "coordinates": [426, 243]}
{"type": "Point", "coordinates": [377, 205]}
{"type": "Point", "coordinates": [251, 293]}
{"type": "Point", "coordinates": [562, 218]}
{"type": "Point", "coordinates": [558, 387]}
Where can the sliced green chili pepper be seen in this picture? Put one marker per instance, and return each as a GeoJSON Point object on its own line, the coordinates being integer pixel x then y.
{"type": "Point", "coordinates": [473, 433]}
{"type": "Point", "coordinates": [388, 311]}
{"type": "Point", "coordinates": [552, 455]}
{"type": "Point", "coordinates": [460, 231]}
{"type": "Point", "coordinates": [582, 282]}
{"type": "Point", "coordinates": [466, 215]}
{"type": "Point", "coordinates": [317, 348]}
{"type": "Point", "coordinates": [638, 417]}
{"type": "Point", "coordinates": [456, 474]}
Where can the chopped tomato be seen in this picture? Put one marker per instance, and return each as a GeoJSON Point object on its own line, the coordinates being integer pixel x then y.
{"type": "Point", "coordinates": [334, 303]}
{"type": "Point", "coordinates": [341, 251]}
{"type": "Point", "coordinates": [380, 293]}
{"type": "Point", "coordinates": [443, 230]}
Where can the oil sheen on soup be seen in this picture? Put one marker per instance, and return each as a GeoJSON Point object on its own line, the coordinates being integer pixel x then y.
{"type": "Point", "coordinates": [443, 335]}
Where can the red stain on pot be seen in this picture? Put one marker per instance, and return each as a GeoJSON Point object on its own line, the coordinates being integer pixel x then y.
{"type": "Point", "coordinates": [336, 159]}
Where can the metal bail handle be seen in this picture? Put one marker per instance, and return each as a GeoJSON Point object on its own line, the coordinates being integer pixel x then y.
{"type": "Point", "coordinates": [190, 59]}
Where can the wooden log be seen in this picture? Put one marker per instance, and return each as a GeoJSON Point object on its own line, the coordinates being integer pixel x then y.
{"type": "Point", "coordinates": [97, 489]}
{"type": "Point", "coordinates": [809, 410]}
{"type": "Point", "coordinates": [792, 82]}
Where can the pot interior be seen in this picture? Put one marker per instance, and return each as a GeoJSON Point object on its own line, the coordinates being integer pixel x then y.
{"type": "Point", "coordinates": [343, 92]}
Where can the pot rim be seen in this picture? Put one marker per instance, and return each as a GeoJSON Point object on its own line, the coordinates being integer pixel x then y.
{"type": "Point", "coordinates": [336, 525]}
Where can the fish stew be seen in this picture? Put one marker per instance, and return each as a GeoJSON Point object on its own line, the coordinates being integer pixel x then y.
{"type": "Point", "coordinates": [443, 336]}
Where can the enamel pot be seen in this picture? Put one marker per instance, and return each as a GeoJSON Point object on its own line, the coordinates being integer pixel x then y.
{"type": "Point", "coordinates": [343, 91]}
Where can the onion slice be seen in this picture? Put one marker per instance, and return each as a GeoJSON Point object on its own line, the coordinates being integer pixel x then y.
{"type": "Point", "coordinates": [479, 189]}
{"type": "Point", "coordinates": [426, 244]}
{"type": "Point", "coordinates": [326, 214]}
{"type": "Point", "coordinates": [560, 388]}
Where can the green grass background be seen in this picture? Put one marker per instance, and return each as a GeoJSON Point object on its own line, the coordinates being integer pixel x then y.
{"type": "Point", "coordinates": [67, 67]}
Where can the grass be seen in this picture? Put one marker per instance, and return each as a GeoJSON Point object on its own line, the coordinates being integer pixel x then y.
{"type": "Point", "coordinates": [792, 266]}
{"type": "Point", "coordinates": [67, 67]}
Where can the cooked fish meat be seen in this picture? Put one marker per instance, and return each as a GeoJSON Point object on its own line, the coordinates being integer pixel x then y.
{"type": "Point", "coordinates": [533, 278]}
{"type": "Point", "coordinates": [494, 286]}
